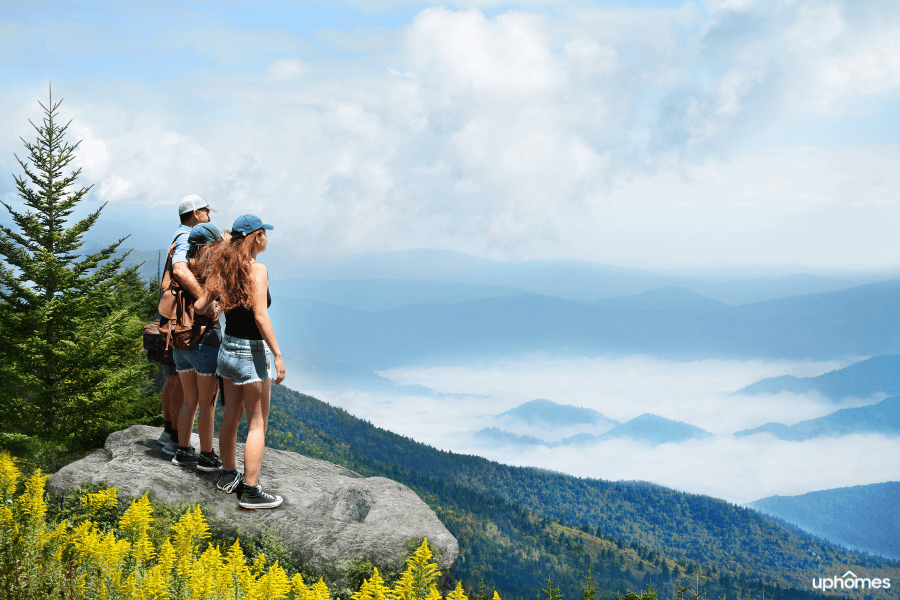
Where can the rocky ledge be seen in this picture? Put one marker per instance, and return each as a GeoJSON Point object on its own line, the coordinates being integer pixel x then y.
{"type": "Point", "coordinates": [330, 514]}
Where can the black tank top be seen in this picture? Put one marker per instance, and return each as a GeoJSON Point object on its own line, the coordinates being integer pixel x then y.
{"type": "Point", "coordinates": [241, 323]}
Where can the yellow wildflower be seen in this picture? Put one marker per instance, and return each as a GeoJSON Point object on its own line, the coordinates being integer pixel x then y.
{"type": "Point", "coordinates": [234, 575]}
{"type": "Point", "coordinates": [299, 591]}
{"type": "Point", "coordinates": [32, 499]}
{"type": "Point", "coordinates": [319, 591]}
{"type": "Point", "coordinates": [9, 476]}
{"type": "Point", "coordinates": [108, 498]}
{"type": "Point", "coordinates": [203, 580]}
{"type": "Point", "coordinates": [137, 520]}
{"type": "Point", "coordinates": [372, 588]}
{"type": "Point", "coordinates": [458, 593]}
{"type": "Point", "coordinates": [192, 524]}
{"type": "Point", "coordinates": [272, 585]}
{"type": "Point", "coordinates": [417, 581]}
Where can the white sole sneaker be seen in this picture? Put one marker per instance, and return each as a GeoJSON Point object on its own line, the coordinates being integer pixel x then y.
{"type": "Point", "coordinates": [254, 497]}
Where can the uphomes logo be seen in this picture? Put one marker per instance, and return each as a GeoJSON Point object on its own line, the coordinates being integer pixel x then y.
{"type": "Point", "coordinates": [849, 581]}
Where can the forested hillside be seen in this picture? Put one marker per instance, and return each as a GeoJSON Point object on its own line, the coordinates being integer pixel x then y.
{"type": "Point", "coordinates": [518, 525]}
{"type": "Point", "coordinates": [859, 380]}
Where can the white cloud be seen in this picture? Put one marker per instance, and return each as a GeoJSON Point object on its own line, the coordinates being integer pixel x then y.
{"type": "Point", "coordinates": [287, 68]}
{"type": "Point", "coordinates": [508, 56]}
{"type": "Point", "coordinates": [620, 135]}
{"type": "Point", "coordinates": [698, 393]}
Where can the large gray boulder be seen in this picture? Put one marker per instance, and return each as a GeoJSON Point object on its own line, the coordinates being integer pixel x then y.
{"type": "Point", "coordinates": [330, 514]}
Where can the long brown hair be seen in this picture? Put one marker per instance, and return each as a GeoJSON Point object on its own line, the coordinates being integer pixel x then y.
{"type": "Point", "coordinates": [229, 275]}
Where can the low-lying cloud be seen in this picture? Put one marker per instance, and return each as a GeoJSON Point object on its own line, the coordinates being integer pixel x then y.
{"type": "Point", "coordinates": [699, 393]}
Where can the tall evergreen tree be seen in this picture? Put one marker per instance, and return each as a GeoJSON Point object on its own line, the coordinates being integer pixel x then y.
{"type": "Point", "coordinates": [70, 350]}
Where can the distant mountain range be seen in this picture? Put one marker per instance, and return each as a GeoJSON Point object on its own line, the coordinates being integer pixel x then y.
{"type": "Point", "coordinates": [647, 428]}
{"type": "Point", "coordinates": [859, 380]}
{"type": "Point", "coordinates": [547, 413]}
{"type": "Point", "coordinates": [656, 430]}
{"type": "Point", "coordinates": [669, 323]}
{"type": "Point", "coordinates": [883, 417]}
{"type": "Point", "coordinates": [863, 517]}
{"type": "Point", "coordinates": [384, 280]}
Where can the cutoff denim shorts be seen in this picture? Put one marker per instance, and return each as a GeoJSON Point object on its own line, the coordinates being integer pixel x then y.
{"type": "Point", "coordinates": [201, 358]}
{"type": "Point", "coordinates": [245, 361]}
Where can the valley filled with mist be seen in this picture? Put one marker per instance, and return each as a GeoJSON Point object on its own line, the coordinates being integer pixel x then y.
{"type": "Point", "coordinates": [742, 383]}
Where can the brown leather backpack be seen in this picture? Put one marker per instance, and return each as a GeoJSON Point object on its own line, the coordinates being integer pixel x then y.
{"type": "Point", "coordinates": [179, 324]}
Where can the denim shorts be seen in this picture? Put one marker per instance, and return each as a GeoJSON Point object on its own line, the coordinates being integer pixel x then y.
{"type": "Point", "coordinates": [244, 361]}
{"type": "Point", "coordinates": [169, 371]}
{"type": "Point", "coordinates": [201, 358]}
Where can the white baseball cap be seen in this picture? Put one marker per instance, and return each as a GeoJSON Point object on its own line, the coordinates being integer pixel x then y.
{"type": "Point", "coordinates": [192, 202]}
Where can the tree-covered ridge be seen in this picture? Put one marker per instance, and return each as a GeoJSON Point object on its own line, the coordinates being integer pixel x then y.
{"type": "Point", "coordinates": [515, 524]}
{"type": "Point", "coordinates": [859, 380]}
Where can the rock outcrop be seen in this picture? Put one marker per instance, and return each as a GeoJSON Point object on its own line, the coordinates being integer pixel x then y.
{"type": "Point", "coordinates": [330, 514]}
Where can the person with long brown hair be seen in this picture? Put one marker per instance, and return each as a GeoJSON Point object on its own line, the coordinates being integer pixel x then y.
{"type": "Point", "coordinates": [249, 358]}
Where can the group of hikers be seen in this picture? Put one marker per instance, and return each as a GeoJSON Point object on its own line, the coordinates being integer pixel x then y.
{"type": "Point", "coordinates": [218, 272]}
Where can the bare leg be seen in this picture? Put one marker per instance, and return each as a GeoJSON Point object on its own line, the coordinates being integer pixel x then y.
{"type": "Point", "coordinates": [171, 399]}
{"type": "Point", "coordinates": [256, 402]}
{"type": "Point", "coordinates": [234, 410]}
{"type": "Point", "coordinates": [188, 408]}
{"type": "Point", "coordinates": [207, 387]}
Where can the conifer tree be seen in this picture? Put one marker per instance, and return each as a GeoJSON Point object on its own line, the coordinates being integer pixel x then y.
{"type": "Point", "coordinates": [70, 336]}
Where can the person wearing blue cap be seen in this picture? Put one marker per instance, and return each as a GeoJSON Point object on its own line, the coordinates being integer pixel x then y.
{"type": "Point", "coordinates": [197, 366]}
{"type": "Point", "coordinates": [249, 358]}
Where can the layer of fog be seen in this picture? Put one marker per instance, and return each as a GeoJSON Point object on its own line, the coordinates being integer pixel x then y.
{"type": "Point", "coordinates": [736, 469]}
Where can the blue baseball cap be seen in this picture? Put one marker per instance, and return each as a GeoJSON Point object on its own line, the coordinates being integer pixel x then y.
{"type": "Point", "coordinates": [204, 233]}
{"type": "Point", "coordinates": [244, 225]}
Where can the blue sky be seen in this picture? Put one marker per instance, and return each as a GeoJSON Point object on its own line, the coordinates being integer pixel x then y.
{"type": "Point", "coordinates": [651, 134]}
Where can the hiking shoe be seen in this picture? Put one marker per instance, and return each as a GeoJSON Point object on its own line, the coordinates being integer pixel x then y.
{"type": "Point", "coordinates": [229, 482]}
{"type": "Point", "coordinates": [209, 462]}
{"type": "Point", "coordinates": [255, 497]}
{"type": "Point", "coordinates": [170, 448]}
{"type": "Point", "coordinates": [163, 438]}
{"type": "Point", "coordinates": [185, 458]}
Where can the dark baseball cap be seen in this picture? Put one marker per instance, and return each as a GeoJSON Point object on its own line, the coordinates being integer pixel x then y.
{"type": "Point", "coordinates": [204, 233]}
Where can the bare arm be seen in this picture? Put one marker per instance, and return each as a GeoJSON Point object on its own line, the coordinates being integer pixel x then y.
{"type": "Point", "coordinates": [204, 304]}
{"type": "Point", "coordinates": [186, 279]}
{"type": "Point", "coordinates": [261, 314]}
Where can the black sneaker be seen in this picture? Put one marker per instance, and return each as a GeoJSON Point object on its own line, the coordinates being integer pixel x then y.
{"type": "Point", "coordinates": [255, 497]}
{"type": "Point", "coordinates": [209, 462]}
{"type": "Point", "coordinates": [185, 458]}
{"type": "Point", "coordinates": [229, 482]}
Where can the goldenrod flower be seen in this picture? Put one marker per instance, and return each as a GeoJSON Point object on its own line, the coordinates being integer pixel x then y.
{"type": "Point", "coordinates": [32, 499]}
{"type": "Point", "coordinates": [319, 591]}
{"type": "Point", "coordinates": [417, 581]}
{"type": "Point", "coordinates": [458, 593]}
{"type": "Point", "coordinates": [299, 591]}
{"type": "Point", "coordinates": [272, 585]}
{"type": "Point", "coordinates": [9, 476]}
{"type": "Point", "coordinates": [137, 520]}
{"type": "Point", "coordinates": [108, 498]}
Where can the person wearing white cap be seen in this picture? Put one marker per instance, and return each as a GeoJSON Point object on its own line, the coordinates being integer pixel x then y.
{"type": "Point", "coordinates": [192, 210]}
